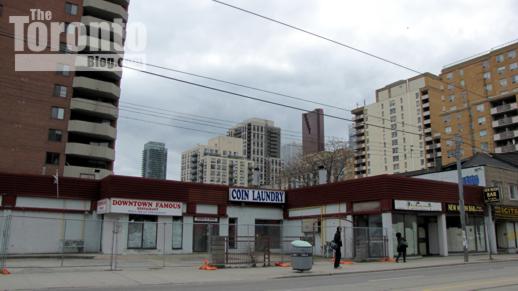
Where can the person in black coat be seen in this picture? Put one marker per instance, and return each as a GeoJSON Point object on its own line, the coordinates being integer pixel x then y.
{"type": "Point", "coordinates": [338, 247]}
{"type": "Point", "coordinates": [401, 247]}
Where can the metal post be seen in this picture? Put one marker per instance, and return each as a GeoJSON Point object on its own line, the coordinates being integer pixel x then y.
{"type": "Point", "coordinates": [490, 229]}
{"type": "Point", "coordinates": [63, 241]}
{"type": "Point", "coordinates": [5, 241]}
{"type": "Point", "coordinates": [163, 248]}
{"type": "Point", "coordinates": [458, 143]}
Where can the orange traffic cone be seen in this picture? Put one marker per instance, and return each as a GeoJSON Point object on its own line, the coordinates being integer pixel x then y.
{"type": "Point", "coordinates": [207, 267]}
{"type": "Point", "coordinates": [388, 260]}
{"type": "Point", "coordinates": [281, 264]}
{"type": "Point", "coordinates": [5, 271]}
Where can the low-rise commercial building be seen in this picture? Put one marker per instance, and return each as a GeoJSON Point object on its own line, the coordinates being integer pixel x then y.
{"type": "Point", "coordinates": [498, 170]}
{"type": "Point", "coordinates": [147, 216]}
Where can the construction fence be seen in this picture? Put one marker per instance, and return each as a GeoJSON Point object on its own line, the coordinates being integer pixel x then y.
{"type": "Point", "coordinates": [49, 242]}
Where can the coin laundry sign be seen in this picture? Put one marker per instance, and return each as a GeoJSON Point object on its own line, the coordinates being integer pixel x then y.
{"type": "Point", "coordinates": [143, 207]}
{"type": "Point", "coordinates": [256, 195]}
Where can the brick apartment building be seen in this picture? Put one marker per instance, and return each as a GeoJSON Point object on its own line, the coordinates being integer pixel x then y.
{"type": "Point", "coordinates": [58, 120]}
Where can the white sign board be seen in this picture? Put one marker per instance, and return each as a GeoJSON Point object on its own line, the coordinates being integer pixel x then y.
{"type": "Point", "coordinates": [417, 205]}
{"type": "Point", "coordinates": [256, 195]}
{"type": "Point", "coordinates": [137, 206]}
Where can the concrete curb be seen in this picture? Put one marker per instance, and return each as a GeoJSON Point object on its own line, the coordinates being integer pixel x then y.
{"type": "Point", "coordinates": [390, 270]}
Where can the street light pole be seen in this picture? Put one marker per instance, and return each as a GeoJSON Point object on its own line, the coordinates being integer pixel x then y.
{"type": "Point", "coordinates": [458, 156]}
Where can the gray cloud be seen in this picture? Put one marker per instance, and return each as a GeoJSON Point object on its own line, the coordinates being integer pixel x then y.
{"type": "Point", "coordinates": [203, 37]}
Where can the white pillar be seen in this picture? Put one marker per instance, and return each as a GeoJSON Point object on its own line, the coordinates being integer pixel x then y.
{"type": "Point", "coordinates": [348, 238]}
{"type": "Point", "coordinates": [491, 235]}
{"type": "Point", "coordinates": [223, 226]}
{"type": "Point", "coordinates": [443, 235]}
{"type": "Point", "coordinates": [386, 220]}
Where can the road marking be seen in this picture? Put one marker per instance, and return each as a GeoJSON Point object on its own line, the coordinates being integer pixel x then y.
{"type": "Point", "coordinates": [395, 278]}
{"type": "Point", "coordinates": [478, 283]}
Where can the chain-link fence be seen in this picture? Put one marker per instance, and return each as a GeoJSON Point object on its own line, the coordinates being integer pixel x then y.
{"type": "Point", "coordinates": [156, 242]}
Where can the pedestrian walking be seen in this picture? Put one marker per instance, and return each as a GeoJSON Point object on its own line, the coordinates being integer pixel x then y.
{"type": "Point", "coordinates": [401, 247]}
{"type": "Point", "coordinates": [337, 240]}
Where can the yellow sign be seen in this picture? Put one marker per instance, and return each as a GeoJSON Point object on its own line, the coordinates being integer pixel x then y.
{"type": "Point", "coordinates": [467, 208]}
{"type": "Point", "coordinates": [506, 212]}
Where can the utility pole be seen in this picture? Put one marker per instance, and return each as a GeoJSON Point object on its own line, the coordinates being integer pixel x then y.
{"type": "Point", "coordinates": [458, 156]}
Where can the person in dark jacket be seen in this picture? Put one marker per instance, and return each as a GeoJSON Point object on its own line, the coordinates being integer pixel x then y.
{"type": "Point", "coordinates": [401, 247]}
{"type": "Point", "coordinates": [338, 247]}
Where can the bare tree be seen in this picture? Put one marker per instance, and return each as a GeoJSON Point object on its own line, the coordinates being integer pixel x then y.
{"type": "Point", "coordinates": [337, 160]}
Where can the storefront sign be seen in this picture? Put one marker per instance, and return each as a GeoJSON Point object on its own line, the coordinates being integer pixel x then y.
{"type": "Point", "coordinates": [366, 206]}
{"type": "Point", "coordinates": [506, 212]}
{"type": "Point", "coordinates": [467, 208]}
{"type": "Point", "coordinates": [417, 205]}
{"type": "Point", "coordinates": [491, 194]}
{"type": "Point", "coordinates": [256, 195]}
{"type": "Point", "coordinates": [206, 219]}
{"type": "Point", "coordinates": [143, 207]}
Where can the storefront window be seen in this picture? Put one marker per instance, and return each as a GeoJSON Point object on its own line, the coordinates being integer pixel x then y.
{"type": "Point", "coordinates": [232, 232]}
{"type": "Point", "coordinates": [406, 224]}
{"type": "Point", "coordinates": [476, 234]}
{"type": "Point", "coordinates": [177, 233]}
{"type": "Point", "coordinates": [142, 231]}
{"type": "Point", "coordinates": [267, 232]}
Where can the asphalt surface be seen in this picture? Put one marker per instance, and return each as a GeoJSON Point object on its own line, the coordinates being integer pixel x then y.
{"type": "Point", "coordinates": [482, 276]}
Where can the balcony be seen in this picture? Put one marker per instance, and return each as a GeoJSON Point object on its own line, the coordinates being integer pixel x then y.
{"type": "Point", "coordinates": [101, 130]}
{"type": "Point", "coordinates": [507, 149]}
{"type": "Point", "coordinates": [104, 9]}
{"type": "Point", "coordinates": [428, 130]}
{"type": "Point", "coordinates": [360, 161]}
{"type": "Point", "coordinates": [427, 121]}
{"type": "Point", "coordinates": [426, 113]}
{"type": "Point", "coordinates": [505, 135]}
{"type": "Point", "coordinates": [90, 151]}
{"type": "Point", "coordinates": [96, 108]}
{"type": "Point", "coordinates": [505, 121]}
{"type": "Point", "coordinates": [504, 108]}
{"type": "Point", "coordinates": [83, 172]}
{"type": "Point", "coordinates": [93, 22]}
{"type": "Point", "coordinates": [425, 97]}
{"type": "Point", "coordinates": [96, 88]}
{"type": "Point", "coordinates": [426, 105]}
{"type": "Point", "coordinates": [359, 169]}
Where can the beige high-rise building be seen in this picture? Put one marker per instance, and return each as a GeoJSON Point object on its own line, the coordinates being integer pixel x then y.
{"type": "Point", "coordinates": [221, 161]}
{"type": "Point", "coordinates": [263, 146]}
{"type": "Point", "coordinates": [479, 103]}
{"type": "Point", "coordinates": [399, 133]}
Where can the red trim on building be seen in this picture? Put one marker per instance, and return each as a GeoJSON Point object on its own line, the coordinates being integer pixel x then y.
{"type": "Point", "coordinates": [383, 188]}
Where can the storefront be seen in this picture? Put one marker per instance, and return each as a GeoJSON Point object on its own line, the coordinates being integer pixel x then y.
{"type": "Point", "coordinates": [139, 223]}
{"type": "Point", "coordinates": [506, 221]}
{"type": "Point", "coordinates": [417, 221]}
{"type": "Point", "coordinates": [256, 214]}
{"type": "Point", "coordinates": [475, 228]}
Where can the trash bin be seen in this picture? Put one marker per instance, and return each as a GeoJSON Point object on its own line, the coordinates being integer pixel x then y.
{"type": "Point", "coordinates": [301, 255]}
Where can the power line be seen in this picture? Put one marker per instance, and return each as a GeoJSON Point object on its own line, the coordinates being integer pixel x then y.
{"type": "Point", "coordinates": [319, 36]}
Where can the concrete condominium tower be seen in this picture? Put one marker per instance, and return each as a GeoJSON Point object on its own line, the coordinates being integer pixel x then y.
{"type": "Point", "coordinates": [221, 161]}
{"type": "Point", "coordinates": [61, 120]}
{"type": "Point", "coordinates": [400, 132]}
{"type": "Point", "coordinates": [313, 138]}
{"type": "Point", "coordinates": [154, 160]}
{"type": "Point", "coordinates": [263, 146]}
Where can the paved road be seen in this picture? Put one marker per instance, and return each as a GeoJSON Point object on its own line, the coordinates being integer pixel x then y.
{"type": "Point", "coordinates": [483, 276]}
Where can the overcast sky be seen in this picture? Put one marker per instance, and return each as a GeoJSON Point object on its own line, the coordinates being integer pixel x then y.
{"type": "Point", "coordinates": [203, 37]}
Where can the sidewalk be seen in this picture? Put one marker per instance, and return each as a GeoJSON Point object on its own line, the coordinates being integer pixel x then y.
{"type": "Point", "coordinates": [186, 271]}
